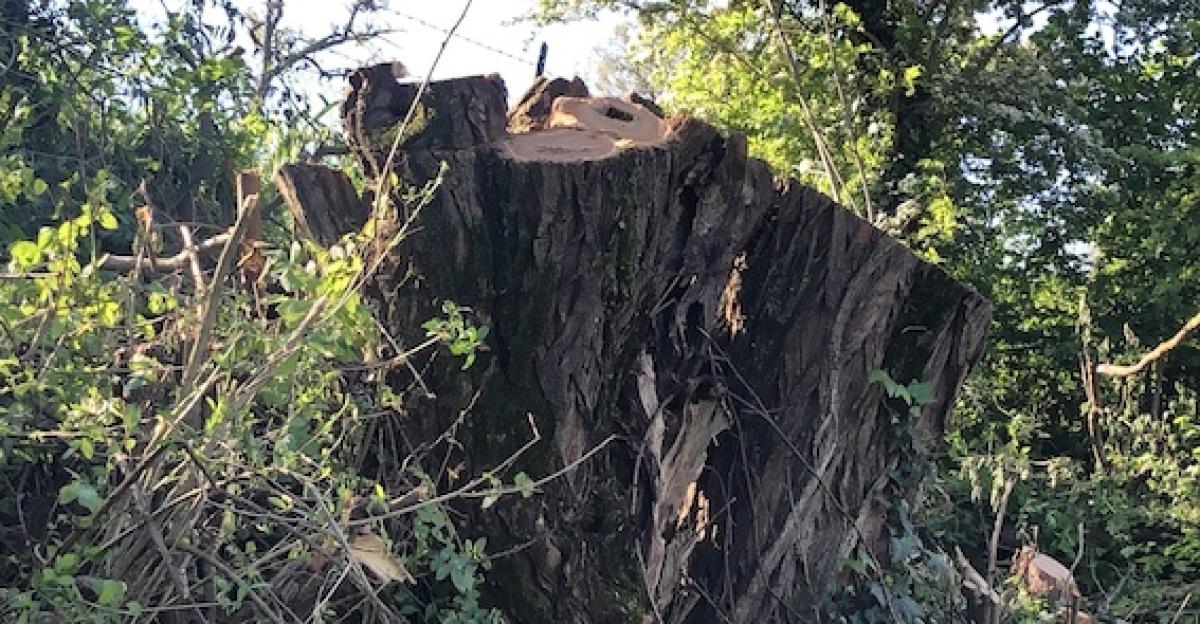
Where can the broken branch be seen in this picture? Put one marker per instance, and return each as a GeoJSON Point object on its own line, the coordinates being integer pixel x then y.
{"type": "Point", "coordinates": [113, 262]}
{"type": "Point", "coordinates": [1116, 370]}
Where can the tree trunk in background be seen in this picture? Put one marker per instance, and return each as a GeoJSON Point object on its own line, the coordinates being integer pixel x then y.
{"type": "Point", "coordinates": [914, 111]}
{"type": "Point", "coordinates": [716, 325]}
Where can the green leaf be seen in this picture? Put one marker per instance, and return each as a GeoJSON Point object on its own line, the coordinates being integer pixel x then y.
{"type": "Point", "coordinates": [68, 493]}
{"type": "Point", "coordinates": [66, 564]}
{"type": "Point", "coordinates": [524, 484]}
{"type": "Point", "coordinates": [88, 497]}
{"type": "Point", "coordinates": [463, 577]}
{"type": "Point", "coordinates": [25, 254]}
{"type": "Point", "coordinates": [911, 73]}
{"type": "Point", "coordinates": [108, 220]}
{"type": "Point", "coordinates": [892, 388]}
{"type": "Point", "coordinates": [45, 237]}
{"type": "Point", "coordinates": [922, 393]}
{"type": "Point", "coordinates": [441, 571]}
{"type": "Point", "coordinates": [292, 311]}
{"type": "Point", "coordinates": [86, 448]}
{"type": "Point", "coordinates": [38, 187]}
{"type": "Point", "coordinates": [80, 492]}
{"type": "Point", "coordinates": [490, 500]}
{"type": "Point", "coordinates": [110, 592]}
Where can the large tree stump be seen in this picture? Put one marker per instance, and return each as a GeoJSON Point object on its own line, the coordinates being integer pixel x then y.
{"type": "Point", "coordinates": [667, 294]}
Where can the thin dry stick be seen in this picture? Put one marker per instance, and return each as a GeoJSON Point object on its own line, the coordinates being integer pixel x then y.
{"type": "Point", "coordinates": [356, 568]}
{"type": "Point", "coordinates": [115, 262]}
{"type": "Point", "coordinates": [1079, 551]}
{"type": "Point", "coordinates": [272, 15]}
{"type": "Point", "coordinates": [1116, 370]}
{"type": "Point", "coordinates": [199, 351]}
{"type": "Point", "coordinates": [405, 356]}
{"type": "Point", "coordinates": [846, 118]}
{"type": "Point", "coordinates": [973, 580]}
{"type": "Point", "coordinates": [418, 455]}
{"type": "Point", "coordinates": [994, 543]}
{"type": "Point", "coordinates": [232, 575]}
{"type": "Point", "coordinates": [174, 572]}
{"type": "Point", "coordinates": [1073, 614]}
{"type": "Point", "coordinates": [193, 258]}
{"type": "Point", "coordinates": [380, 184]}
{"type": "Point", "coordinates": [247, 391]}
{"type": "Point", "coordinates": [651, 595]}
{"type": "Point", "coordinates": [466, 490]}
{"type": "Point", "coordinates": [382, 178]}
{"type": "Point", "coordinates": [162, 510]}
{"type": "Point", "coordinates": [835, 179]}
{"type": "Point", "coordinates": [382, 181]}
{"type": "Point", "coordinates": [1095, 409]}
{"type": "Point", "coordinates": [152, 454]}
{"type": "Point", "coordinates": [1179, 612]}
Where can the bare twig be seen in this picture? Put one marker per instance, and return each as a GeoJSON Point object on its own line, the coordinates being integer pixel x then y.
{"type": "Point", "coordinates": [380, 195]}
{"type": "Point", "coordinates": [869, 209]}
{"type": "Point", "coordinates": [153, 452]}
{"type": "Point", "coordinates": [835, 179]}
{"type": "Point", "coordinates": [997, 527]}
{"type": "Point", "coordinates": [232, 575]}
{"type": "Point", "coordinates": [1073, 607]}
{"type": "Point", "coordinates": [124, 264]}
{"type": "Point", "coordinates": [469, 491]}
{"type": "Point", "coordinates": [404, 356]}
{"type": "Point", "coordinates": [1110, 596]}
{"type": "Point", "coordinates": [274, 13]}
{"type": "Point", "coordinates": [1021, 22]}
{"type": "Point", "coordinates": [174, 573]}
{"type": "Point", "coordinates": [973, 580]}
{"type": "Point", "coordinates": [345, 35]}
{"type": "Point", "coordinates": [1094, 407]}
{"type": "Point", "coordinates": [335, 530]}
{"type": "Point", "coordinates": [198, 353]}
{"type": "Point", "coordinates": [1182, 606]}
{"type": "Point", "coordinates": [193, 259]}
{"type": "Point", "coordinates": [247, 391]}
{"type": "Point", "coordinates": [725, 619]}
{"type": "Point", "coordinates": [1078, 552]}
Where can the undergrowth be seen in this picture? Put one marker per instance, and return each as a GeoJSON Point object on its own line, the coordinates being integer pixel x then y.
{"type": "Point", "coordinates": [185, 445]}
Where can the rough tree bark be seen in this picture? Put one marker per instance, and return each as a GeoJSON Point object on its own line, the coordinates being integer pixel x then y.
{"type": "Point", "coordinates": [717, 325]}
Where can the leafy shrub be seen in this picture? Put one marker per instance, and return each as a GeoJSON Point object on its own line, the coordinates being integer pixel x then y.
{"type": "Point", "coordinates": [176, 443]}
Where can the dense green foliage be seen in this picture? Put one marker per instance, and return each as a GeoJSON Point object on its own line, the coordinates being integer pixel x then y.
{"type": "Point", "coordinates": [236, 413]}
{"type": "Point", "coordinates": [1047, 153]}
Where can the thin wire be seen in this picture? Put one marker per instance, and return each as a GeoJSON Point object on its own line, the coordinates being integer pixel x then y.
{"type": "Point", "coordinates": [476, 42]}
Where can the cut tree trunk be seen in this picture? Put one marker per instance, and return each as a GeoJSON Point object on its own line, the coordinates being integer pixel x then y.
{"type": "Point", "coordinates": [713, 328]}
